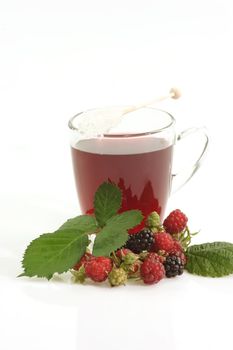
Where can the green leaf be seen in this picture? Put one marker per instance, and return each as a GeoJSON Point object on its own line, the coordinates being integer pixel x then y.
{"type": "Point", "coordinates": [85, 223]}
{"type": "Point", "coordinates": [114, 235]}
{"type": "Point", "coordinates": [108, 240]}
{"type": "Point", "coordinates": [126, 220]}
{"type": "Point", "coordinates": [54, 252]}
{"type": "Point", "coordinates": [107, 202]}
{"type": "Point", "coordinates": [210, 259]}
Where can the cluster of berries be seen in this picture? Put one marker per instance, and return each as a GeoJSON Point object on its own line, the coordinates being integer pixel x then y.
{"type": "Point", "coordinates": [149, 255]}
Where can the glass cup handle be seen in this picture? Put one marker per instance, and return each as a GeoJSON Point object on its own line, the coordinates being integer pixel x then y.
{"type": "Point", "coordinates": [183, 176]}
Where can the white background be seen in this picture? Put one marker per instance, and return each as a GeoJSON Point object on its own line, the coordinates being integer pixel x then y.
{"type": "Point", "coordinates": [58, 58]}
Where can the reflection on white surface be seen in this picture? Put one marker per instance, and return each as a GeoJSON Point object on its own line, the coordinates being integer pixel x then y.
{"type": "Point", "coordinates": [59, 313]}
{"type": "Point", "coordinates": [172, 314]}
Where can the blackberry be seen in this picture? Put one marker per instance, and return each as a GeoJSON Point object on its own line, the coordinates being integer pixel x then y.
{"type": "Point", "coordinates": [173, 265]}
{"type": "Point", "coordinates": [143, 240]}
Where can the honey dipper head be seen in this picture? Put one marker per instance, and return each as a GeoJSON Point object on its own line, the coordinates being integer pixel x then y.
{"type": "Point", "coordinates": [175, 93]}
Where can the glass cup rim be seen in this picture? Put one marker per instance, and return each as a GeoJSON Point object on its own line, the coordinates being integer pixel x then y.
{"type": "Point", "coordinates": [121, 135]}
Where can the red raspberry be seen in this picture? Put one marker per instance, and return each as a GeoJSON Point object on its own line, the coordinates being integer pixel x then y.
{"type": "Point", "coordinates": [86, 257]}
{"type": "Point", "coordinates": [177, 246]}
{"type": "Point", "coordinates": [163, 241]}
{"type": "Point", "coordinates": [152, 271]}
{"type": "Point", "coordinates": [175, 222]}
{"type": "Point", "coordinates": [155, 257]}
{"type": "Point", "coordinates": [98, 268]}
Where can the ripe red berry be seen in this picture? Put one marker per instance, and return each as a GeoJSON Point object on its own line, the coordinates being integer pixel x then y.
{"type": "Point", "coordinates": [86, 257]}
{"type": "Point", "coordinates": [175, 222]}
{"type": "Point", "coordinates": [163, 241]}
{"type": "Point", "coordinates": [152, 271]}
{"type": "Point", "coordinates": [98, 268]}
{"type": "Point", "coordinates": [177, 246]}
{"type": "Point", "coordinates": [155, 257]}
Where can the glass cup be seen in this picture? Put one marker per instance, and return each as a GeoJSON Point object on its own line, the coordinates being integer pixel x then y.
{"type": "Point", "coordinates": [136, 155]}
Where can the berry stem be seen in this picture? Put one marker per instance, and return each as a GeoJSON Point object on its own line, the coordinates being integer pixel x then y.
{"type": "Point", "coordinates": [115, 259]}
{"type": "Point", "coordinates": [186, 237]}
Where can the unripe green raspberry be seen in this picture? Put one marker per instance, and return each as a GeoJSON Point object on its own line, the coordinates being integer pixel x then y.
{"type": "Point", "coordinates": [79, 276]}
{"type": "Point", "coordinates": [153, 222]}
{"type": "Point", "coordinates": [117, 277]}
{"type": "Point", "coordinates": [130, 258]}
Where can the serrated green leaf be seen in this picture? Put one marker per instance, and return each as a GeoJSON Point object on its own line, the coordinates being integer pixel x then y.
{"type": "Point", "coordinates": [114, 235]}
{"type": "Point", "coordinates": [22, 275]}
{"type": "Point", "coordinates": [107, 202]}
{"type": "Point", "coordinates": [210, 259]}
{"type": "Point", "coordinates": [85, 223]}
{"type": "Point", "coordinates": [109, 240]}
{"type": "Point", "coordinates": [54, 252]}
{"type": "Point", "coordinates": [126, 220]}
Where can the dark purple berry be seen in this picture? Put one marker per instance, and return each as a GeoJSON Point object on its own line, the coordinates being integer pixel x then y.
{"type": "Point", "coordinates": [140, 241]}
{"type": "Point", "coordinates": [173, 265]}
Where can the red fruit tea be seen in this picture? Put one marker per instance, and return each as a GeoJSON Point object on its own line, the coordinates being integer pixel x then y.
{"type": "Point", "coordinates": [140, 166]}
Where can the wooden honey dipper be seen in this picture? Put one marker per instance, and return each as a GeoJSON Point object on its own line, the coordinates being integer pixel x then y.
{"type": "Point", "coordinates": [173, 93]}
